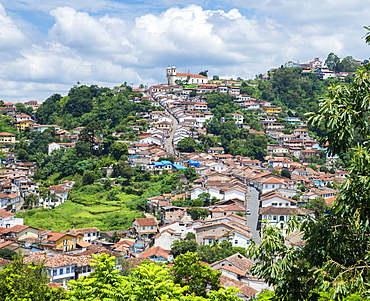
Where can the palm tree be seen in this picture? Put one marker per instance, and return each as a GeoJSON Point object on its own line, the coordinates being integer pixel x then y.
{"type": "Point", "coordinates": [32, 200]}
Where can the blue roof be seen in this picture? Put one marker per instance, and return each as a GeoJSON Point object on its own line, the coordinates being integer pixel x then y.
{"type": "Point", "coordinates": [165, 162]}
{"type": "Point", "coordinates": [157, 163]}
{"type": "Point", "coordinates": [178, 166]}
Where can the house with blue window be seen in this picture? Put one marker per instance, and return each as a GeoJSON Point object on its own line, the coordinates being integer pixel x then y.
{"type": "Point", "coordinates": [62, 267]}
{"type": "Point", "coordinates": [145, 228]}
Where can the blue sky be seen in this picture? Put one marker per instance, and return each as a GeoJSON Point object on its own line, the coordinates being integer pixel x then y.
{"type": "Point", "coordinates": [45, 48]}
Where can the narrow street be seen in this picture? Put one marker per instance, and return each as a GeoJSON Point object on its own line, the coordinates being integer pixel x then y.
{"type": "Point", "coordinates": [169, 147]}
{"type": "Point", "coordinates": [252, 219]}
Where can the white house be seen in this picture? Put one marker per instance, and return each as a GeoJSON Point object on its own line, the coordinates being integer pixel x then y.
{"type": "Point", "coordinates": [88, 234]}
{"type": "Point", "coordinates": [277, 200]}
{"type": "Point", "coordinates": [55, 145]}
{"type": "Point", "coordinates": [7, 219]}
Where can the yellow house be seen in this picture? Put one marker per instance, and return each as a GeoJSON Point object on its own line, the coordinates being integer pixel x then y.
{"type": "Point", "coordinates": [23, 124]}
{"type": "Point", "coordinates": [272, 110]}
{"type": "Point", "coordinates": [61, 241]}
{"type": "Point", "coordinates": [6, 138]}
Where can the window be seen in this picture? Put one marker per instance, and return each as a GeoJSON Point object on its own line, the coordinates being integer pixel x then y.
{"type": "Point", "coordinates": [236, 242]}
{"type": "Point", "coordinates": [269, 217]}
{"type": "Point", "coordinates": [88, 234]}
{"type": "Point", "coordinates": [274, 217]}
{"type": "Point", "coordinates": [152, 227]}
{"type": "Point", "coordinates": [143, 228]}
{"type": "Point", "coordinates": [61, 271]}
{"type": "Point", "coordinates": [68, 270]}
{"type": "Point", "coordinates": [72, 269]}
{"type": "Point", "coordinates": [55, 272]}
{"type": "Point", "coordinates": [65, 242]}
{"type": "Point", "coordinates": [281, 218]}
{"type": "Point", "coordinates": [73, 240]}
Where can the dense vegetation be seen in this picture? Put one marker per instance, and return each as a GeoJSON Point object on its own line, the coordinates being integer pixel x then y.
{"type": "Point", "coordinates": [85, 104]}
{"type": "Point", "coordinates": [334, 262]}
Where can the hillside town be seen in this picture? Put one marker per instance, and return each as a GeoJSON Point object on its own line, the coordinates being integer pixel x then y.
{"type": "Point", "coordinates": [238, 195]}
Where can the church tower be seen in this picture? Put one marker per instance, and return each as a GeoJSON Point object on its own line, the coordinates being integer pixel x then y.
{"type": "Point", "coordinates": [171, 75]}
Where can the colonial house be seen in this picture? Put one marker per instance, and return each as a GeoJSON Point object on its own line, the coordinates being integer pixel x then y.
{"type": "Point", "coordinates": [8, 220]}
{"type": "Point", "coordinates": [157, 254]}
{"type": "Point", "coordinates": [7, 138]}
{"type": "Point", "coordinates": [55, 145]}
{"type": "Point", "coordinates": [276, 200]}
{"type": "Point", "coordinates": [88, 234]}
{"type": "Point", "coordinates": [280, 216]}
{"type": "Point", "coordinates": [60, 241]}
{"type": "Point", "coordinates": [145, 227]}
{"type": "Point", "coordinates": [238, 233]}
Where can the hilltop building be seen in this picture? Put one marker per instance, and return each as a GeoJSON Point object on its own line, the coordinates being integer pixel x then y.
{"type": "Point", "coordinates": [172, 76]}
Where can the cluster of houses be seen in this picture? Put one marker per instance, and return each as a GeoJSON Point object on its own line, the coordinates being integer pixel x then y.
{"type": "Point", "coordinates": [231, 189]}
{"type": "Point", "coordinates": [317, 66]}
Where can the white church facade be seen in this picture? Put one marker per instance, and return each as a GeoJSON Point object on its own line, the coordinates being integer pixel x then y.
{"type": "Point", "coordinates": [172, 76]}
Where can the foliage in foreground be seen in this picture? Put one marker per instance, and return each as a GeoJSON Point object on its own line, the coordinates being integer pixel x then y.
{"type": "Point", "coordinates": [19, 282]}
{"type": "Point", "coordinates": [334, 263]}
{"type": "Point", "coordinates": [149, 282]}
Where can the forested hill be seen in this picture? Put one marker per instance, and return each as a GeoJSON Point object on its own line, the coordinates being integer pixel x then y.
{"type": "Point", "coordinates": [84, 104]}
{"type": "Point", "coordinates": [292, 89]}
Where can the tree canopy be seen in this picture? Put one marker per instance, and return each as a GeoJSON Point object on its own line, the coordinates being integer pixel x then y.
{"type": "Point", "coordinates": [334, 261]}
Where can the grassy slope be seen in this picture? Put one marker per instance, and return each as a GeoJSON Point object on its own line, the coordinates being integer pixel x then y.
{"type": "Point", "coordinates": [89, 208]}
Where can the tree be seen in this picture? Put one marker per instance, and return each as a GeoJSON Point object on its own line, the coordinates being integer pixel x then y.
{"type": "Point", "coordinates": [26, 282]}
{"type": "Point", "coordinates": [197, 213]}
{"type": "Point", "coordinates": [22, 155]}
{"type": "Point", "coordinates": [7, 253]}
{"type": "Point", "coordinates": [333, 62]}
{"type": "Point", "coordinates": [285, 173]}
{"type": "Point", "coordinates": [147, 282]}
{"type": "Point", "coordinates": [187, 144]}
{"type": "Point", "coordinates": [191, 174]}
{"type": "Point", "coordinates": [190, 236]}
{"type": "Point", "coordinates": [318, 204]}
{"type": "Point", "coordinates": [182, 247]}
{"type": "Point", "coordinates": [204, 73]}
{"type": "Point", "coordinates": [88, 178]}
{"type": "Point", "coordinates": [334, 263]}
{"type": "Point", "coordinates": [102, 284]}
{"type": "Point", "coordinates": [31, 200]}
{"type": "Point", "coordinates": [118, 149]}
{"type": "Point", "coordinates": [189, 272]}
{"type": "Point", "coordinates": [205, 197]}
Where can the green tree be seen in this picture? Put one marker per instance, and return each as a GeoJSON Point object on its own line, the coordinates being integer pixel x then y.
{"type": "Point", "coordinates": [187, 144]}
{"type": "Point", "coordinates": [334, 262]}
{"type": "Point", "coordinates": [191, 174]}
{"type": "Point", "coordinates": [285, 173]}
{"type": "Point", "coordinates": [318, 204]}
{"type": "Point", "coordinates": [333, 62]}
{"type": "Point", "coordinates": [190, 236]}
{"type": "Point", "coordinates": [182, 247]}
{"type": "Point", "coordinates": [189, 272]}
{"type": "Point", "coordinates": [118, 149]}
{"type": "Point", "coordinates": [22, 155]}
{"type": "Point", "coordinates": [26, 282]}
{"type": "Point", "coordinates": [88, 178]}
{"type": "Point", "coordinates": [197, 213]}
{"type": "Point", "coordinates": [7, 253]}
{"type": "Point", "coordinates": [104, 283]}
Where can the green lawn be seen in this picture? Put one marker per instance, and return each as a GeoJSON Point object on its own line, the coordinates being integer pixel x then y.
{"type": "Point", "coordinates": [88, 207]}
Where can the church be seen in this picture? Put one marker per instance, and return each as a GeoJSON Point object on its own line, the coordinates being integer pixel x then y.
{"type": "Point", "coordinates": [188, 78]}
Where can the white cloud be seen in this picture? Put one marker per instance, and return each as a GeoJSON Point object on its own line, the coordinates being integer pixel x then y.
{"type": "Point", "coordinates": [107, 50]}
{"type": "Point", "coordinates": [10, 35]}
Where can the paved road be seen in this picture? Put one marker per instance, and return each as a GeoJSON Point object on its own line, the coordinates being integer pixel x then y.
{"type": "Point", "coordinates": [169, 141]}
{"type": "Point", "coordinates": [252, 219]}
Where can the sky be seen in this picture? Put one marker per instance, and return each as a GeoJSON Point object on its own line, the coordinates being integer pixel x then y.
{"type": "Point", "coordinates": [46, 47]}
